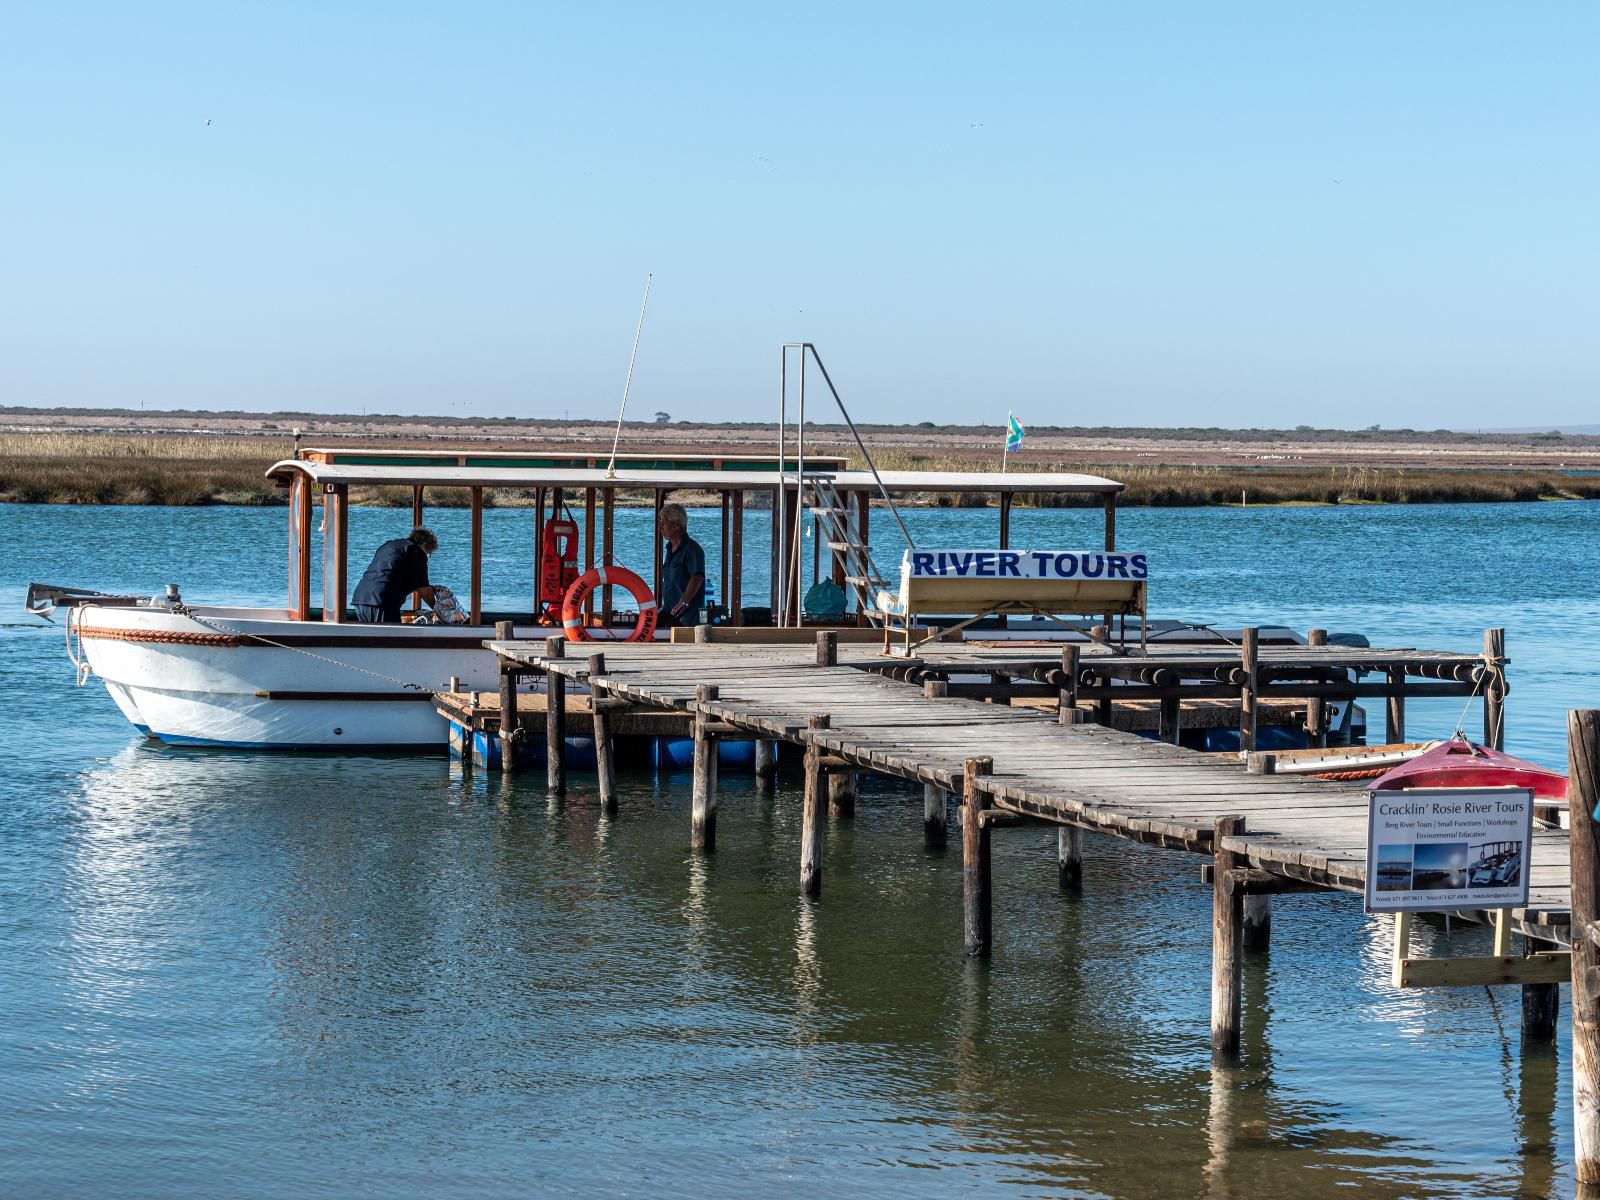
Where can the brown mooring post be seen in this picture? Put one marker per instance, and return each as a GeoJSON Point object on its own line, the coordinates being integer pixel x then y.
{"type": "Point", "coordinates": [766, 763]}
{"type": "Point", "coordinates": [1069, 858]}
{"type": "Point", "coordinates": [934, 797]}
{"type": "Point", "coordinates": [1494, 690]}
{"type": "Point", "coordinates": [1250, 654]}
{"type": "Point", "coordinates": [1541, 1002]}
{"type": "Point", "coordinates": [605, 763]}
{"type": "Point", "coordinates": [703, 813]}
{"type": "Point", "coordinates": [1227, 945]}
{"type": "Point", "coordinates": [813, 815]}
{"type": "Point", "coordinates": [1317, 708]}
{"type": "Point", "coordinates": [504, 631]}
{"type": "Point", "coordinates": [1583, 793]}
{"type": "Point", "coordinates": [827, 648]}
{"type": "Point", "coordinates": [555, 720]}
{"type": "Point", "coordinates": [1067, 712]}
{"type": "Point", "coordinates": [977, 907]}
{"type": "Point", "coordinates": [1394, 723]}
{"type": "Point", "coordinates": [841, 794]}
{"type": "Point", "coordinates": [1103, 707]}
{"type": "Point", "coordinates": [1171, 721]}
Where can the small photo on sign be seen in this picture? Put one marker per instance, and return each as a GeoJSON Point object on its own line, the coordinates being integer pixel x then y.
{"type": "Point", "coordinates": [1495, 864]}
{"type": "Point", "coordinates": [1394, 868]}
{"type": "Point", "coordinates": [1439, 866]}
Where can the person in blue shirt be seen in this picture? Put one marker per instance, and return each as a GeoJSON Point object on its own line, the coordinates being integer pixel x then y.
{"type": "Point", "coordinates": [683, 571]}
{"type": "Point", "coordinates": [398, 568]}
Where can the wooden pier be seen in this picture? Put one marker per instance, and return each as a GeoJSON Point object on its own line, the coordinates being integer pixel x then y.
{"type": "Point", "coordinates": [849, 709]}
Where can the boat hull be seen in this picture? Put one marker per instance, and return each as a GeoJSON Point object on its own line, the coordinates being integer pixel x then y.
{"type": "Point", "coordinates": [253, 679]}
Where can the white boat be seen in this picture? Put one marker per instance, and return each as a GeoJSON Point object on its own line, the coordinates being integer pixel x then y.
{"type": "Point", "coordinates": [308, 677]}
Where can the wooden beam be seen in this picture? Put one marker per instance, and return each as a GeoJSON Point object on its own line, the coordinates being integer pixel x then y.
{"type": "Point", "coordinates": [476, 616]}
{"type": "Point", "coordinates": [1250, 653]}
{"type": "Point", "coordinates": [1494, 694]}
{"type": "Point", "coordinates": [977, 903]}
{"type": "Point", "coordinates": [299, 548]}
{"type": "Point", "coordinates": [1583, 793]}
{"type": "Point", "coordinates": [703, 802]}
{"type": "Point", "coordinates": [814, 814]}
{"type": "Point", "coordinates": [1227, 945]}
{"type": "Point", "coordinates": [604, 753]}
{"type": "Point", "coordinates": [1069, 858]}
{"type": "Point", "coordinates": [735, 597]}
{"type": "Point", "coordinates": [1317, 709]}
{"type": "Point", "coordinates": [555, 721]}
{"type": "Point", "coordinates": [1545, 967]}
{"type": "Point", "coordinates": [335, 551]}
{"type": "Point", "coordinates": [416, 520]}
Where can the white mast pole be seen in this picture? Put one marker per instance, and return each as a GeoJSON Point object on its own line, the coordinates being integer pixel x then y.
{"type": "Point", "coordinates": [611, 465]}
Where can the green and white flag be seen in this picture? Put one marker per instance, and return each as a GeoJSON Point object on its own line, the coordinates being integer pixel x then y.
{"type": "Point", "coordinates": [1014, 432]}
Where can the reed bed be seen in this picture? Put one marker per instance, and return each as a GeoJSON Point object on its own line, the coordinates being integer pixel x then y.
{"type": "Point", "coordinates": [194, 469]}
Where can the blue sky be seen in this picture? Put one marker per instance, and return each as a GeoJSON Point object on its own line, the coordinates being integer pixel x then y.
{"type": "Point", "coordinates": [1188, 214]}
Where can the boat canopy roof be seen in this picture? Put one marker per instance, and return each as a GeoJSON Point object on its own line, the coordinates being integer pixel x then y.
{"type": "Point", "coordinates": [454, 469]}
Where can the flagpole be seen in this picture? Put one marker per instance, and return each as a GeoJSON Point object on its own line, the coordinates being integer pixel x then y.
{"type": "Point", "coordinates": [1005, 445]}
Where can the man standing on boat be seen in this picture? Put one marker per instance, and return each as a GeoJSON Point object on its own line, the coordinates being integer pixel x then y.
{"type": "Point", "coordinates": [398, 568]}
{"type": "Point", "coordinates": [683, 571]}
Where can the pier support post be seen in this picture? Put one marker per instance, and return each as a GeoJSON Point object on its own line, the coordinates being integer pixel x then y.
{"type": "Point", "coordinates": [1227, 945]}
{"type": "Point", "coordinates": [1394, 724]}
{"type": "Point", "coordinates": [1250, 653]}
{"type": "Point", "coordinates": [1171, 720]}
{"type": "Point", "coordinates": [933, 816]}
{"type": "Point", "coordinates": [827, 648]}
{"type": "Point", "coordinates": [1494, 690]}
{"type": "Point", "coordinates": [1583, 792]}
{"type": "Point", "coordinates": [977, 908]}
{"type": "Point", "coordinates": [510, 734]}
{"type": "Point", "coordinates": [1317, 708]}
{"type": "Point", "coordinates": [1256, 919]}
{"type": "Point", "coordinates": [1102, 707]}
{"type": "Point", "coordinates": [766, 763]}
{"type": "Point", "coordinates": [555, 720]}
{"type": "Point", "coordinates": [703, 813]}
{"type": "Point", "coordinates": [841, 794]}
{"type": "Point", "coordinates": [1067, 712]}
{"type": "Point", "coordinates": [605, 767]}
{"type": "Point", "coordinates": [813, 814]}
{"type": "Point", "coordinates": [1541, 1002]}
{"type": "Point", "coordinates": [1069, 858]}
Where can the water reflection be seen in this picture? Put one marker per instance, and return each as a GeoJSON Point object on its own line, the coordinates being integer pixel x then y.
{"type": "Point", "coordinates": [432, 980]}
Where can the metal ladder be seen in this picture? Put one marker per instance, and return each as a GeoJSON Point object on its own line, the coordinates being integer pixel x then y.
{"type": "Point", "coordinates": [861, 574]}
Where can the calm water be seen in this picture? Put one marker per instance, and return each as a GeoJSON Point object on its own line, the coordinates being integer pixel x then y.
{"type": "Point", "coordinates": [265, 976]}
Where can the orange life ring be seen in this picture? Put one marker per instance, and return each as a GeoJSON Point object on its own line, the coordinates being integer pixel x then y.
{"type": "Point", "coordinates": [572, 605]}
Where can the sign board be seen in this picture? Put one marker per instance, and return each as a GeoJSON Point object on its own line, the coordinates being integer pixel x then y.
{"type": "Point", "coordinates": [1433, 849]}
{"type": "Point", "coordinates": [1025, 564]}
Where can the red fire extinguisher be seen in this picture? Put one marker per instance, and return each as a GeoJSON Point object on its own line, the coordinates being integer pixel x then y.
{"type": "Point", "coordinates": [558, 565]}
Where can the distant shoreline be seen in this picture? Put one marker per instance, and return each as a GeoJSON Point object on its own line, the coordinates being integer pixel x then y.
{"type": "Point", "coordinates": [194, 459]}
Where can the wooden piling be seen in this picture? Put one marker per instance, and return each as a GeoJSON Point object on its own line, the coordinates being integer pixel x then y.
{"type": "Point", "coordinates": [1227, 945]}
{"type": "Point", "coordinates": [1250, 653]}
{"type": "Point", "coordinates": [1394, 723]}
{"type": "Point", "coordinates": [703, 812]}
{"type": "Point", "coordinates": [555, 720]}
{"type": "Point", "coordinates": [977, 906]}
{"type": "Point", "coordinates": [1067, 712]}
{"type": "Point", "coordinates": [1256, 919]}
{"type": "Point", "coordinates": [813, 814]}
{"type": "Point", "coordinates": [766, 752]}
{"type": "Point", "coordinates": [1583, 793]}
{"type": "Point", "coordinates": [1069, 858]}
{"type": "Point", "coordinates": [1494, 690]}
{"type": "Point", "coordinates": [1541, 1002]}
{"type": "Point", "coordinates": [1171, 720]}
{"type": "Point", "coordinates": [605, 766]}
{"type": "Point", "coordinates": [841, 794]}
{"type": "Point", "coordinates": [827, 648]}
{"type": "Point", "coordinates": [1317, 708]}
{"type": "Point", "coordinates": [504, 631]}
{"type": "Point", "coordinates": [933, 816]}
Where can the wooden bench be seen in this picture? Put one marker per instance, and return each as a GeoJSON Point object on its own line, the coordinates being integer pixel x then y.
{"type": "Point", "coordinates": [974, 584]}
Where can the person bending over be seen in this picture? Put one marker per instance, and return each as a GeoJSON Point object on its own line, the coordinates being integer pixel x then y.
{"type": "Point", "coordinates": [683, 572]}
{"type": "Point", "coordinates": [398, 568]}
